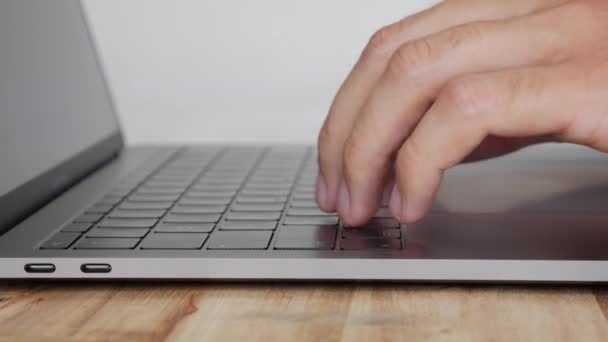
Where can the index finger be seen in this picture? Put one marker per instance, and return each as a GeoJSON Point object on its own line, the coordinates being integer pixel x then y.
{"type": "Point", "coordinates": [353, 93]}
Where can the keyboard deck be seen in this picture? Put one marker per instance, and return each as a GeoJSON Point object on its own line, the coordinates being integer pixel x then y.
{"type": "Point", "coordinates": [222, 198]}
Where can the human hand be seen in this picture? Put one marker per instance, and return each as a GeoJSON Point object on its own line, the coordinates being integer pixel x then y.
{"type": "Point", "coordinates": [466, 79]}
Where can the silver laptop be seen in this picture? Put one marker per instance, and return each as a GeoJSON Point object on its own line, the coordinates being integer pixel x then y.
{"type": "Point", "coordinates": [75, 203]}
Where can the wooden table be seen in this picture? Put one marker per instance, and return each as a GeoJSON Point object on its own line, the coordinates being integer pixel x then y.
{"type": "Point", "coordinates": [307, 312]}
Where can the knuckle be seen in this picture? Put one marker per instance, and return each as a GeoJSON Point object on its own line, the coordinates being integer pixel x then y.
{"type": "Point", "coordinates": [518, 84]}
{"type": "Point", "coordinates": [412, 58]}
{"type": "Point", "coordinates": [379, 42]}
{"type": "Point", "coordinates": [466, 96]}
{"type": "Point", "coordinates": [465, 34]}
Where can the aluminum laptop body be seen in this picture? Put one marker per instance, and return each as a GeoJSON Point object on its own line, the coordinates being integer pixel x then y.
{"type": "Point", "coordinates": [76, 204]}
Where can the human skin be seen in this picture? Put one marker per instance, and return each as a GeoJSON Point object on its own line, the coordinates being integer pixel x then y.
{"type": "Point", "coordinates": [463, 80]}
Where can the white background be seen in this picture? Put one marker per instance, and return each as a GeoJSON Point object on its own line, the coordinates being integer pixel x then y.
{"type": "Point", "coordinates": [232, 70]}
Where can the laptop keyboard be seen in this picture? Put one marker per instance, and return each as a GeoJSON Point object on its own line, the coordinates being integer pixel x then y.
{"type": "Point", "coordinates": [215, 198]}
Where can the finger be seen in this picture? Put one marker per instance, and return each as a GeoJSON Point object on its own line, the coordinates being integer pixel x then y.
{"type": "Point", "coordinates": [357, 86]}
{"type": "Point", "coordinates": [516, 103]}
{"type": "Point", "coordinates": [412, 79]}
{"type": "Point", "coordinates": [354, 91]}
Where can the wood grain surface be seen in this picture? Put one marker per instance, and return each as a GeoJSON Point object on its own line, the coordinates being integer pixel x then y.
{"type": "Point", "coordinates": [300, 312]}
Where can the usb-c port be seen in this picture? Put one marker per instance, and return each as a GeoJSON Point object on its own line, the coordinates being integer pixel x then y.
{"type": "Point", "coordinates": [95, 268]}
{"type": "Point", "coordinates": [39, 268]}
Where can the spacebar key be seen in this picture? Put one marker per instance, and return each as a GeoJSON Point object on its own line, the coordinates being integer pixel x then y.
{"type": "Point", "coordinates": [106, 243]}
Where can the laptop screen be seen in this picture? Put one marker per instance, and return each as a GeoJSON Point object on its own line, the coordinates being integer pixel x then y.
{"type": "Point", "coordinates": [53, 100]}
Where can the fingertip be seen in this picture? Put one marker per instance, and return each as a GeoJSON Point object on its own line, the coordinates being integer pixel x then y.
{"type": "Point", "coordinates": [351, 220]}
{"type": "Point", "coordinates": [343, 201]}
{"type": "Point", "coordinates": [358, 215]}
{"type": "Point", "coordinates": [321, 194]}
{"type": "Point", "coordinates": [414, 210]}
{"type": "Point", "coordinates": [350, 215]}
{"type": "Point", "coordinates": [328, 182]}
{"type": "Point", "coordinates": [394, 204]}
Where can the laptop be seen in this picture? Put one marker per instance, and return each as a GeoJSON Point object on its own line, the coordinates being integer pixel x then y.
{"type": "Point", "coordinates": [78, 204]}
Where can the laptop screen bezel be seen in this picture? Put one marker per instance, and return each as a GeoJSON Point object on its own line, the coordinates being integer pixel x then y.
{"type": "Point", "coordinates": [32, 195]}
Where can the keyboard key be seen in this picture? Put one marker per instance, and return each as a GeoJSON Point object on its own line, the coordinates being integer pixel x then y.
{"type": "Point", "coordinates": [109, 200]}
{"type": "Point", "coordinates": [268, 186]}
{"type": "Point", "coordinates": [60, 241]}
{"type": "Point", "coordinates": [100, 209]}
{"type": "Point", "coordinates": [153, 198]}
{"type": "Point", "coordinates": [201, 201]}
{"type": "Point", "coordinates": [304, 189]}
{"type": "Point", "coordinates": [77, 227]}
{"type": "Point", "coordinates": [167, 184]}
{"type": "Point", "coordinates": [159, 191]}
{"type": "Point", "coordinates": [311, 220]}
{"type": "Point", "coordinates": [382, 223]}
{"type": "Point", "coordinates": [173, 177]}
{"type": "Point", "coordinates": [370, 233]}
{"type": "Point", "coordinates": [304, 197]}
{"type": "Point", "coordinates": [307, 181]}
{"type": "Point", "coordinates": [268, 192]}
{"type": "Point", "coordinates": [121, 192]}
{"type": "Point", "coordinates": [209, 194]}
{"type": "Point", "coordinates": [218, 184]}
{"type": "Point", "coordinates": [128, 223]}
{"type": "Point", "coordinates": [254, 215]}
{"type": "Point", "coordinates": [361, 244]}
{"type": "Point", "coordinates": [88, 218]}
{"type": "Point", "coordinates": [258, 207]}
{"type": "Point", "coordinates": [192, 218]}
{"type": "Point", "coordinates": [276, 168]}
{"type": "Point", "coordinates": [240, 240]}
{"type": "Point", "coordinates": [174, 241]}
{"type": "Point", "coordinates": [137, 213]}
{"type": "Point", "coordinates": [308, 189]}
{"type": "Point", "coordinates": [248, 225]}
{"type": "Point", "coordinates": [208, 209]}
{"type": "Point", "coordinates": [261, 200]}
{"type": "Point", "coordinates": [307, 212]}
{"type": "Point", "coordinates": [383, 213]}
{"type": "Point", "coordinates": [118, 233]}
{"type": "Point", "coordinates": [304, 204]}
{"type": "Point", "coordinates": [184, 227]}
{"type": "Point", "coordinates": [271, 178]}
{"type": "Point", "coordinates": [145, 205]}
{"type": "Point", "coordinates": [218, 176]}
{"type": "Point", "coordinates": [106, 243]}
{"type": "Point", "coordinates": [227, 174]}
{"type": "Point", "coordinates": [307, 237]}
{"type": "Point", "coordinates": [215, 188]}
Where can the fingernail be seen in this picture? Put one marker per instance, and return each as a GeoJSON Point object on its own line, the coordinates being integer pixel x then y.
{"type": "Point", "coordinates": [321, 191]}
{"type": "Point", "coordinates": [343, 199]}
{"type": "Point", "coordinates": [394, 204]}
